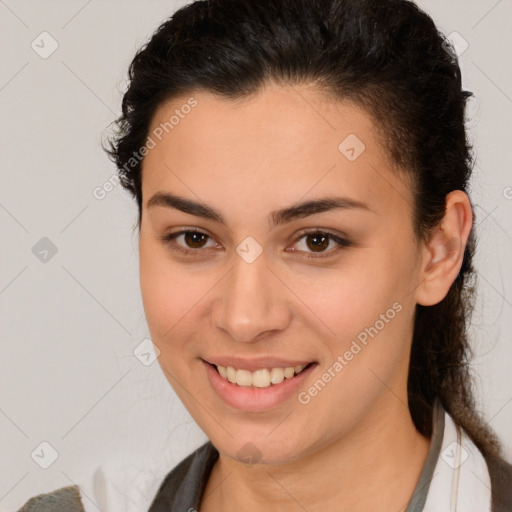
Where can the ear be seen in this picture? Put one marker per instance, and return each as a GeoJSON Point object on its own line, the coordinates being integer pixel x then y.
{"type": "Point", "coordinates": [443, 252]}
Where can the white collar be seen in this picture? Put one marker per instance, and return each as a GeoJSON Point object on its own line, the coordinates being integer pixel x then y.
{"type": "Point", "coordinates": [461, 481]}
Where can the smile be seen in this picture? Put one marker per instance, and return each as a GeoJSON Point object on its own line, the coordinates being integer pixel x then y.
{"type": "Point", "coordinates": [259, 384]}
{"type": "Point", "coordinates": [263, 378]}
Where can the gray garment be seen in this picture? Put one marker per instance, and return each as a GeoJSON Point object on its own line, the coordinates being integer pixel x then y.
{"type": "Point", "coordinates": [419, 496]}
{"type": "Point", "coordinates": [183, 487]}
{"type": "Point", "coordinates": [65, 499]}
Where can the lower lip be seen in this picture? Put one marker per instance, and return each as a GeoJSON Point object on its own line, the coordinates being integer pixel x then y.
{"type": "Point", "coordinates": [251, 398]}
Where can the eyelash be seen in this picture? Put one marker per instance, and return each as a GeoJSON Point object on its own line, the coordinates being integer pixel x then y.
{"type": "Point", "coordinates": [168, 239]}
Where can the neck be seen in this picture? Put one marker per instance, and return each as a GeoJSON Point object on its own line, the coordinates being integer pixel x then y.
{"type": "Point", "coordinates": [353, 473]}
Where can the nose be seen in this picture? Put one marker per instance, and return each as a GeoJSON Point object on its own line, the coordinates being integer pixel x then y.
{"type": "Point", "coordinates": [252, 303]}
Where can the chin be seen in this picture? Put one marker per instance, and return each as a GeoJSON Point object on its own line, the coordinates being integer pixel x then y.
{"type": "Point", "coordinates": [253, 445]}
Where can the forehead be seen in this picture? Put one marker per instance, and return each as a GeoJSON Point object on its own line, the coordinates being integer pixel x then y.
{"type": "Point", "coordinates": [270, 148]}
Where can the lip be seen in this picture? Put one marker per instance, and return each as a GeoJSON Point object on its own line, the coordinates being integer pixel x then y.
{"type": "Point", "coordinates": [258, 363]}
{"type": "Point", "coordinates": [255, 399]}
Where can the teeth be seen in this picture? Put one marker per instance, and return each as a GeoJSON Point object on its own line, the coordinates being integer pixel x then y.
{"type": "Point", "coordinates": [276, 375]}
{"type": "Point", "coordinates": [260, 378]}
{"type": "Point", "coordinates": [289, 372]}
{"type": "Point", "coordinates": [243, 378]}
{"type": "Point", "coordinates": [231, 374]}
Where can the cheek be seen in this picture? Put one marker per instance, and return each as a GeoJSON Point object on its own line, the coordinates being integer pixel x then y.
{"type": "Point", "coordinates": [168, 293]}
{"type": "Point", "coordinates": [354, 296]}
{"type": "Point", "coordinates": [369, 310]}
{"type": "Point", "coordinates": [372, 319]}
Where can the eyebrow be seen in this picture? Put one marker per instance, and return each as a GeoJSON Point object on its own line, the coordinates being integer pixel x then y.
{"type": "Point", "coordinates": [283, 216]}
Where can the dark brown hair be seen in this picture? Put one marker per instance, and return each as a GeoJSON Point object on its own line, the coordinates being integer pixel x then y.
{"type": "Point", "coordinates": [384, 55]}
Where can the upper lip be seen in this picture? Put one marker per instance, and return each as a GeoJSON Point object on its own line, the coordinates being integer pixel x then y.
{"type": "Point", "coordinates": [256, 363]}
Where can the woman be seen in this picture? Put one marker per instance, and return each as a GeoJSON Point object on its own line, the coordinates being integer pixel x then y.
{"type": "Point", "coordinates": [300, 169]}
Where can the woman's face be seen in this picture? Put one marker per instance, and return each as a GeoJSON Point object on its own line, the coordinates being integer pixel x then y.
{"type": "Point", "coordinates": [306, 256]}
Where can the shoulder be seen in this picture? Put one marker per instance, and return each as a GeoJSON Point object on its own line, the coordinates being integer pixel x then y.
{"type": "Point", "coordinates": [65, 499]}
{"type": "Point", "coordinates": [500, 472]}
{"type": "Point", "coordinates": [127, 482]}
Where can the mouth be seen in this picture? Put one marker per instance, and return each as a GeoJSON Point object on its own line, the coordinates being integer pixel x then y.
{"type": "Point", "coordinates": [262, 378]}
{"type": "Point", "coordinates": [257, 385]}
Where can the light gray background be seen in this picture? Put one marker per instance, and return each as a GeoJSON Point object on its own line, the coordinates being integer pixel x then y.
{"type": "Point", "coordinates": [70, 324]}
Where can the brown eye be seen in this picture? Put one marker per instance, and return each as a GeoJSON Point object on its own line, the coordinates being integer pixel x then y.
{"type": "Point", "coordinates": [317, 242]}
{"type": "Point", "coordinates": [188, 241]}
{"type": "Point", "coordinates": [195, 239]}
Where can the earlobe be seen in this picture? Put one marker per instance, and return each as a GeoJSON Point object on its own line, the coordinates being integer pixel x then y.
{"type": "Point", "coordinates": [443, 252]}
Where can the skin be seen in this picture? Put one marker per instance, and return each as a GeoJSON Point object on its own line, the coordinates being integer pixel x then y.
{"type": "Point", "coordinates": [247, 158]}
